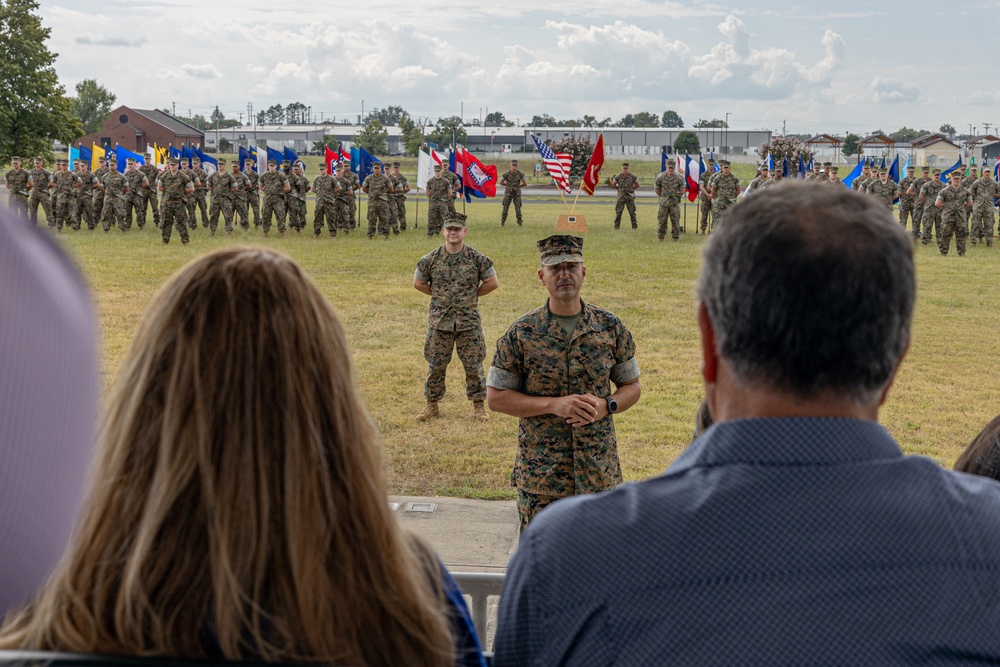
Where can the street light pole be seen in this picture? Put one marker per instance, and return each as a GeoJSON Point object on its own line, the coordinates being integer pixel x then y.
{"type": "Point", "coordinates": [726, 138]}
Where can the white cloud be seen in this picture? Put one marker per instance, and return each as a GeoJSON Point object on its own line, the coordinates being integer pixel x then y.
{"type": "Point", "coordinates": [111, 41]}
{"type": "Point", "coordinates": [201, 71]}
{"type": "Point", "coordinates": [893, 90]}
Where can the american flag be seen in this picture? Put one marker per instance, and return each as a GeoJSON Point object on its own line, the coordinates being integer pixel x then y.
{"type": "Point", "coordinates": [557, 164]}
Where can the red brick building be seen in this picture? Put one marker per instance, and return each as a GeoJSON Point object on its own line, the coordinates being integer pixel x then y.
{"type": "Point", "coordinates": [134, 129]}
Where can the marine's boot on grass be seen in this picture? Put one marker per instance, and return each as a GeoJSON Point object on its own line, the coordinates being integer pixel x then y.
{"type": "Point", "coordinates": [430, 412]}
{"type": "Point", "coordinates": [479, 412]}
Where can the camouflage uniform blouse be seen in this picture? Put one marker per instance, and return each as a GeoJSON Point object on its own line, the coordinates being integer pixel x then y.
{"type": "Point", "coordinates": [437, 189]}
{"type": "Point", "coordinates": [173, 186]}
{"type": "Point", "coordinates": [626, 184]}
{"type": "Point", "coordinates": [884, 192]}
{"type": "Point", "coordinates": [726, 188]}
{"type": "Point", "coordinates": [671, 188]}
{"type": "Point", "coordinates": [535, 358]}
{"type": "Point", "coordinates": [454, 281]}
{"type": "Point", "coordinates": [512, 179]}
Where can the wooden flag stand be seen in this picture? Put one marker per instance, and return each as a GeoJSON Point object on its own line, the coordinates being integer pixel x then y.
{"type": "Point", "coordinates": [572, 223]}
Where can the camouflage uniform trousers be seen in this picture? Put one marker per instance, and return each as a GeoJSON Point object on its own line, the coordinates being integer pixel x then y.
{"type": "Point", "coordinates": [352, 214]}
{"type": "Point", "coordinates": [625, 201]}
{"type": "Point", "coordinates": [84, 211]}
{"type": "Point", "coordinates": [719, 209]}
{"type": "Point", "coordinates": [953, 222]}
{"type": "Point", "coordinates": [149, 198]}
{"type": "Point", "coordinates": [706, 208]}
{"type": "Point", "coordinates": [378, 212]}
{"type": "Point", "coordinates": [530, 504]}
{"type": "Point", "coordinates": [17, 204]}
{"type": "Point", "coordinates": [342, 215]}
{"type": "Point", "coordinates": [397, 206]}
{"type": "Point", "coordinates": [174, 213]}
{"type": "Point", "coordinates": [133, 202]}
{"type": "Point", "coordinates": [114, 212]}
{"type": "Point", "coordinates": [437, 211]}
{"type": "Point", "coordinates": [189, 216]}
{"type": "Point", "coordinates": [64, 212]}
{"type": "Point", "coordinates": [918, 216]}
{"type": "Point", "coordinates": [671, 211]}
{"type": "Point", "coordinates": [931, 220]}
{"type": "Point", "coordinates": [512, 196]}
{"type": "Point", "coordinates": [97, 208]}
{"type": "Point", "coordinates": [982, 224]}
{"type": "Point", "coordinates": [224, 205]}
{"type": "Point", "coordinates": [471, 347]}
{"type": "Point", "coordinates": [241, 209]}
{"type": "Point", "coordinates": [296, 212]}
{"type": "Point", "coordinates": [200, 203]}
{"type": "Point", "coordinates": [39, 197]}
{"type": "Point", "coordinates": [253, 204]}
{"type": "Point", "coordinates": [325, 211]}
{"type": "Point", "coordinates": [906, 211]}
{"type": "Point", "coordinates": [273, 204]}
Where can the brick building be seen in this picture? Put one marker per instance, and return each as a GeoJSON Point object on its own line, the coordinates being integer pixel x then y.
{"type": "Point", "coordinates": [134, 129]}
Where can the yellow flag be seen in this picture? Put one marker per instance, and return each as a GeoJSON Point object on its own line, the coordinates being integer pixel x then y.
{"type": "Point", "coordinates": [97, 153]}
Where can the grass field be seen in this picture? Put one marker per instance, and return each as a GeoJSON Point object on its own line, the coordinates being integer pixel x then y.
{"type": "Point", "coordinates": [945, 392]}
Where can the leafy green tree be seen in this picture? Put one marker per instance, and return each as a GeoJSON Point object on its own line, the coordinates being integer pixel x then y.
{"type": "Point", "coordinates": [391, 115]}
{"type": "Point", "coordinates": [497, 119]}
{"type": "Point", "coordinates": [445, 130]}
{"type": "Point", "coordinates": [580, 148]}
{"type": "Point", "coordinates": [715, 122]}
{"type": "Point", "coordinates": [92, 104]}
{"type": "Point", "coordinates": [687, 142]}
{"type": "Point", "coordinates": [543, 120]}
{"type": "Point", "coordinates": [646, 119]}
{"type": "Point", "coordinates": [225, 145]}
{"type": "Point", "coordinates": [411, 136]}
{"type": "Point", "coordinates": [589, 121]}
{"type": "Point", "coordinates": [850, 145]}
{"type": "Point", "coordinates": [296, 113]}
{"type": "Point", "coordinates": [374, 138]}
{"type": "Point", "coordinates": [671, 119]}
{"type": "Point", "coordinates": [34, 109]}
{"type": "Point", "coordinates": [947, 129]}
{"type": "Point", "coordinates": [327, 140]}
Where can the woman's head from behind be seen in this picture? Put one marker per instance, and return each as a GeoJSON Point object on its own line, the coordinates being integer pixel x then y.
{"type": "Point", "coordinates": [240, 484]}
{"type": "Point", "coordinates": [982, 456]}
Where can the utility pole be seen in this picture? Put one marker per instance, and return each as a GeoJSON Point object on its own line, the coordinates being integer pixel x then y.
{"type": "Point", "coordinates": [173, 106]}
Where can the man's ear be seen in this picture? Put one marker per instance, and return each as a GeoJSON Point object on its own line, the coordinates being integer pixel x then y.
{"type": "Point", "coordinates": [709, 351]}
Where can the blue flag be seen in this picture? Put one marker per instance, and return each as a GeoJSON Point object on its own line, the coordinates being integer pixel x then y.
{"type": "Point", "coordinates": [785, 172]}
{"type": "Point", "coordinates": [122, 154]}
{"type": "Point", "coordinates": [802, 167]}
{"type": "Point", "coordinates": [244, 155]}
{"type": "Point", "coordinates": [175, 153]}
{"type": "Point", "coordinates": [86, 155]}
{"type": "Point", "coordinates": [361, 162]}
{"type": "Point", "coordinates": [208, 163]}
{"type": "Point", "coordinates": [74, 155]}
{"type": "Point", "coordinates": [770, 162]}
{"type": "Point", "coordinates": [291, 156]}
{"type": "Point", "coordinates": [849, 179]}
{"type": "Point", "coordinates": [186, 155]}
{"type": "Point", "coordinates": [258, 160]}
{"type": "Point", "coordinates": [275, 155]}
{"type": "Point", "coordinates": [663, 161]}
{"type": "Point", "coordinates": [812, 165]}
{"type": "Point", "coordinates": [894, 169]}
{"type": "Point", "coordinates": [944, 174]}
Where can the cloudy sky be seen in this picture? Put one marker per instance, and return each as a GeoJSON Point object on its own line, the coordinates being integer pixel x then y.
{"type": "Point", "coordinates": [816, 67]}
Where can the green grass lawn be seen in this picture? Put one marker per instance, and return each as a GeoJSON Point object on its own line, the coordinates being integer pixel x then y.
{"type": "Point", "coordinates": [944, 394]}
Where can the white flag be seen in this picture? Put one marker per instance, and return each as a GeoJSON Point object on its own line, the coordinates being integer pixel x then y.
{"type": "Point", "coordinates": [425, 169]}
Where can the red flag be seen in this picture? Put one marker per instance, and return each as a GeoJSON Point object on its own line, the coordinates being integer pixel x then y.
{"type": "Point", "coordinates": [593, 174]}
{"type": "Point", "coordinates": [330, 157]}
{"type": "Point", "coordinates": [478, 176]}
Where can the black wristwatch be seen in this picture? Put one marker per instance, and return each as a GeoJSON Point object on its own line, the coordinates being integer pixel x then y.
{"type": "Point", "coordinates": [612, 405]}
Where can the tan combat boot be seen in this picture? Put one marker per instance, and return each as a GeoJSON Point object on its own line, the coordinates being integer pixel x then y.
{"type": "Point", "coordinates": [429, 412]}
{"type": "Point", "coordinates": [479, 412]}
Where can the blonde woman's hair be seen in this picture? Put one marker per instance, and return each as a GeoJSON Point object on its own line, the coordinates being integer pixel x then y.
{"type": "Point", "coordinates": [238, 507]}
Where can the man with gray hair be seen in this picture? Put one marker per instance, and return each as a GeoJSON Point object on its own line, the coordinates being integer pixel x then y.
{"type": "Point", "coordinates": [794, 530]}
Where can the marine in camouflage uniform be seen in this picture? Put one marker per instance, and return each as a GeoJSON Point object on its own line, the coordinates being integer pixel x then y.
{"type": "Point", "coordinates": [38, 184]}
{"type": "Point", "coordinates": [253, 194]}
{"type": "Point", "coordinates": [725, 190]}
{"type": "Point", "coordinates": [862, 181]}
{"type": "Point", "coordinates": [439, 192]}
{"type": "Point", "coordinates": [456, 189]}
{"type": "Point", "coordinates": [174, 186]}
{"type": "Point", "coordinates": [883, 188]}
{"type": "Point", "coordinates": [274, 184]}
{"type": "Point", "coordinates": [953, 201]}
{"type": "Point", "coordinates": [378, 188]}
{"type": "Point", "coordinates": [326, 187]}
{"type": "Point", "coordinates": [355, 184]}
{"type": "Point", "coordinates": [241, 183]}
{"type": "Point", "coordinates": [761, 178]}
{"type": "Point", "coordinates": [223, 187]}
{"type": "Point", "coordinates": [669, 188]}
{"type": "Point", "coordinates": [148, 195]}
{"type": "Point", "coordinates": [344, 199]}
{"type": "Point", "coordinates": [115, 187]}
{"type": "Point", "coordinates": [571, 359]}
{"type": "Point", "coordinates": [967, 184]}
{"type": "Point", "coordinates": [84, 209]}
{"type": "Point", "coordinates": [512, 180]}
{"type": "Point", "coordinates": [932, 214]}
{"type": "Point", "coordinates": [907, 200]}
{"type": "Point", "coordinates": [200, 192]}
{"type": "Point", "coordinates": [96, 193]}
{"type": "Point", "coordinates": [455, 276]}
{"type": "Point", "coordinates": [983, 192]}
{"type": "Point", "coordinates": [64, 185]}
{"type": "Point", "coordinates": [704, 194]}
{"type": "Point", "coordinates": [295, 200]}
{"type": "Point", "coordinates": [189, 200]}
{"type": "Point", "coordinates": [626, 183]}
{"type": "Point", "coordinates": [918, 206]}
{"type": "Point", "coordinates": [397, 200]}
{"type": "Point", "coordinates": [17, 188]}
{"type": "Point", "coordinates": [137, 183]}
